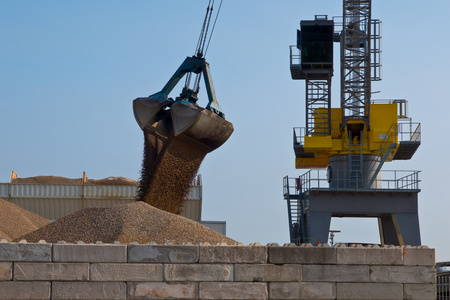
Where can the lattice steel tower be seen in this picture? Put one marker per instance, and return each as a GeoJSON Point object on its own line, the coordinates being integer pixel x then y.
{"type": "Point", "coordinates": [355, 61]}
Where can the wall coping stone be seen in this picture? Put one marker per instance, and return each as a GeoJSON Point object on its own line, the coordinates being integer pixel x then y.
{"type": "Point", "coordinates": [25, 251]}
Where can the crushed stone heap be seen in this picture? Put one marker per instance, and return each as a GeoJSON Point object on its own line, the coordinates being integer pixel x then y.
{"type": "Point", "coordinates": [76, 181]}
{"type": "Point", "coordinates": [126, 223]}
{"type": "Point", "coordinates": [16, 221]}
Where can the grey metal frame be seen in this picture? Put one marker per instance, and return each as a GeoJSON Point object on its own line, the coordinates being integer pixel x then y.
{"type": "Point", "coordinates": [393, 200]}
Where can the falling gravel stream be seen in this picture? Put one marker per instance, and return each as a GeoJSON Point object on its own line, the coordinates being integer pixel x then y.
{"type": "Point", "coordinates": [169, 166]}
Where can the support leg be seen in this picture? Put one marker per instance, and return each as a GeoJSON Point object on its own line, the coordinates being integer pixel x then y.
{"type": "Point", "coordinates": [318, 227]}
{"type": "Point", "coordinates": [400, 229]}
{"type": "Point", "coordinates": [409, 227]}
{"type": "Point", "coordinates": [388, 234]}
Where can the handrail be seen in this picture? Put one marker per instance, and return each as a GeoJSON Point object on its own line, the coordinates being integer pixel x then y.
{"type": "Point", "coordinates": [416, 134]}
{"type": "Point", "coordinates": [391, 131]}
{"type": "Point", "coordinates": [299, 135]}
{"type": "Point", "coordinates": [409, 131]}
{"type": "Point", "coordinates": [393, 180]}
{"type": "Point", "coordinates": [297, 57]}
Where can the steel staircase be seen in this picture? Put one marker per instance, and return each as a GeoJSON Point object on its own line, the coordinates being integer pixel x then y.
{"type": "Point", "coordinates": [294, 197]}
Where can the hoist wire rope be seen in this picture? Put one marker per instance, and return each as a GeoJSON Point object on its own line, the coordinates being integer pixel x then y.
{"type": "Point", "coordinates": [202, 32]}
{"type": "Point", "coordinates": [202, 41]}
{"type": "Point", "coordinates": [207, 28]}
{"type": "Point", "coordinates": [198, 51]}
{"type": "Point", "coordinates": [209, 40]}
{"type": "Point", "coordinates": [214, 25]}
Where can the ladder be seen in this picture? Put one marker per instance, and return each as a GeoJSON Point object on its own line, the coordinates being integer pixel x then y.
{"type": "Point", "coordinates": [355, 161]}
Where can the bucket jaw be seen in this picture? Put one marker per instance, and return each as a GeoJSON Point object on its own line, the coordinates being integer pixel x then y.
{"type": "Point", "coordinates": [200, 126]}
{"type": "Point", "coordinates": [148, 111]}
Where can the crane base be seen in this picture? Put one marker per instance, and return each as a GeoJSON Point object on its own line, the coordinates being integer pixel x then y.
{"type": "Point", "coordinates": [397, 213]}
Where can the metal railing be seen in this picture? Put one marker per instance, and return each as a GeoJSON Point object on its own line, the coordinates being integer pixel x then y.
{"type": "Point", "coordinates": [405, 131]}
{"type": "Point", "coordinates": [295, 55]}
{"type": "Point", "coordinates": [299, 135]}
{"type": "Point", "coordinates": [409, 131]}
{"type": "Point", "coordinates": [290, 185]}
{"type": "Point", "coordinates": [390, 137]}
{"type": "Point", "coordinates": [389, 142]}
{"type": "Point", "coordinates": [399, 180]}
{"type": "Point", "coordinates": [402, 105]}
{"type": "Point", "coordinates": [443, 283]}
{"type": "Point", "coordinates": [408, 182]}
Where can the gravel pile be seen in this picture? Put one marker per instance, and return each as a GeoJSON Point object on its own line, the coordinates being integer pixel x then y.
{"type": "Point", "coordinates": [16, 221]}
{"type": "Point", "coordinates": [168, 168]}
{"type": "Point", "coordinates": [126, 223]}
{"type": "Point", "coordinates": [76, 181]}
{"type": "Point", "coordinates": [47, 180]}
{"type": "Point", "coordinates": [113, 181]}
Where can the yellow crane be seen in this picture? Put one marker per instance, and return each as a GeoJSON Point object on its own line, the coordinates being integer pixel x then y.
{"type": "Point", "coordinates": [353, 141]}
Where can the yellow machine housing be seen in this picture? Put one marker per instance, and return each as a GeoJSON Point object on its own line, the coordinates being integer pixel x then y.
{"type": "Point", "coordinates": [375, 139]}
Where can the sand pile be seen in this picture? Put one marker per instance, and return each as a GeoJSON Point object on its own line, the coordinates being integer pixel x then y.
{"type": "Point", "coordinates": [168, 168]}
{"type": "Point", "coordinates": [76, 181]}
{"type": "Point", "coordinates": [16, 221]}
{"type": "Point", "coordinates": [126, 223]}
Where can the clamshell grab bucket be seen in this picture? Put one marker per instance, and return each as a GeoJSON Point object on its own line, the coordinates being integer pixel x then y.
{"type": "Point", "coordinates": [191, 123]}
{"type": "Point", "coordinates": [204, 128]}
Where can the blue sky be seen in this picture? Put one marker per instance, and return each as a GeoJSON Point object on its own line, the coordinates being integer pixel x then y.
{"type": "Point", "coordinates": [69, 71]}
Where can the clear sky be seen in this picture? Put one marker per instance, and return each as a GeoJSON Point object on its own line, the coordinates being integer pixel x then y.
{"type": "Point", "coordinates": [69, 71]}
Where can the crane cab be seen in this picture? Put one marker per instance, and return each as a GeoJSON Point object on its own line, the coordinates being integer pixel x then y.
{"type": "Point", "coordinates": [313, 58]}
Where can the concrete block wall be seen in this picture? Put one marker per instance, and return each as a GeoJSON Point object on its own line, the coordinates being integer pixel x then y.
{"type": "Point", "coordinates": [134, 271]}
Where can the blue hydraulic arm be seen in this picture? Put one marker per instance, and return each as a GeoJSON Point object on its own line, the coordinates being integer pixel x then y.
{"type": "Point", "coordinates": [148, 110]}
{"type": "Point", "coordinates": [191, 65]}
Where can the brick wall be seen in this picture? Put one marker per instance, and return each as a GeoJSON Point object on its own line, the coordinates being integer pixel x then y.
{"type": "Point", "coordinates": [133, 271]}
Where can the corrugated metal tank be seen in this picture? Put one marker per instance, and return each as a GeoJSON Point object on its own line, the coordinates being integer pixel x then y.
{"type": "Point", "coordinates": [54, 201]}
